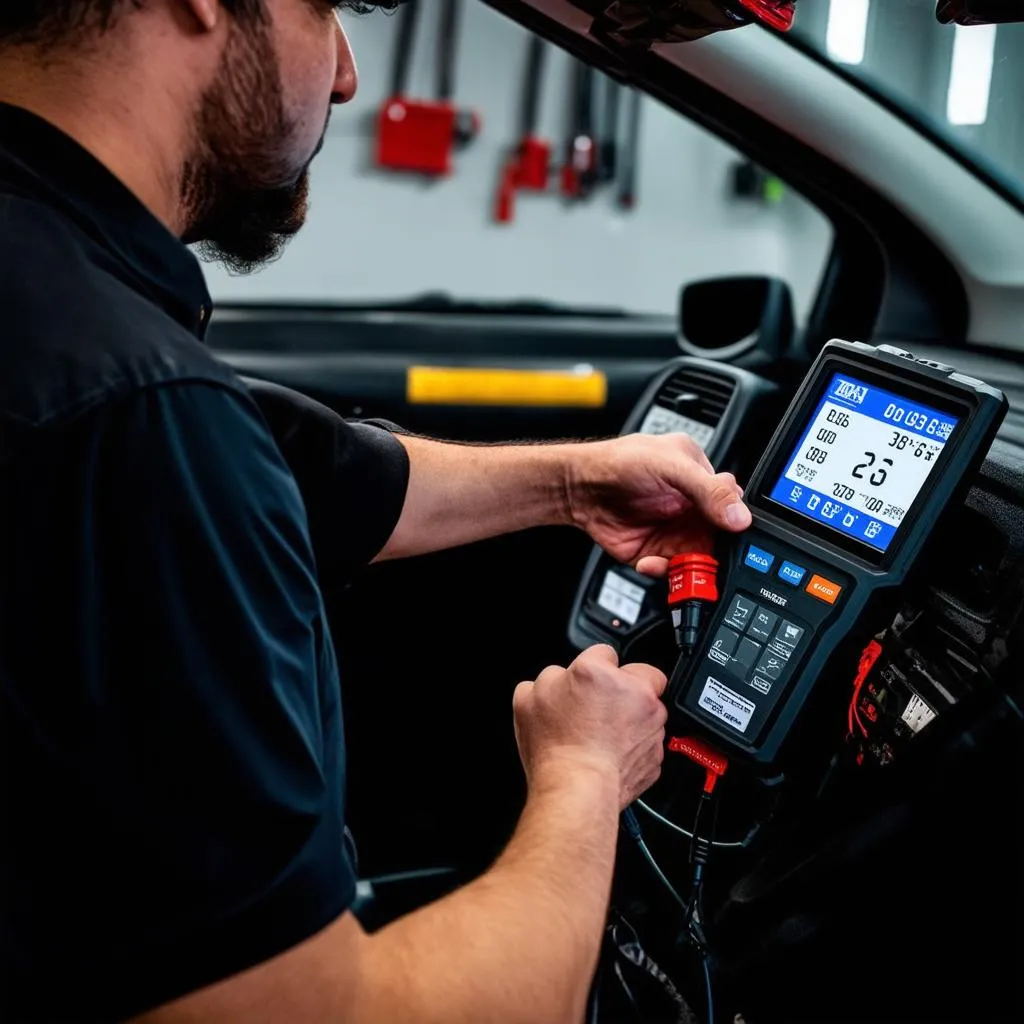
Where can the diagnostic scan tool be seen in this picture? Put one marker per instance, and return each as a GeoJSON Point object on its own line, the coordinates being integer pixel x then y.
{"type": "Point", "coordinates": [873, 447]}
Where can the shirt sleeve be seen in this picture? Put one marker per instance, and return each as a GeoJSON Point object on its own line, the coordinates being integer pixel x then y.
{"type": "Point", "coordinates": [353, 476]}
{"type": "Point", "coordinates": [210, 784]}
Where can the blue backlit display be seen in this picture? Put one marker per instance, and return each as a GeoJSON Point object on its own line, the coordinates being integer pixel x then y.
{"type": "Point", "coordinates": [863, 459]}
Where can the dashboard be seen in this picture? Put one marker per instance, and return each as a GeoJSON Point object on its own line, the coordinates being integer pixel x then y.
{"type": "Point", "coordinates": [723, 407]}
{"type": "Point", "coordinates": [899, 784]}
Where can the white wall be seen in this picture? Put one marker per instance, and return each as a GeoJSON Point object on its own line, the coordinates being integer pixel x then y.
{"type": "Point", "coordinates": [373, 235]}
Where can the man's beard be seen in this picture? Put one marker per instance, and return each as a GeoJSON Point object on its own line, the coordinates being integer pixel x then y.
{"type": "Point", "coordinates": [243, 201]}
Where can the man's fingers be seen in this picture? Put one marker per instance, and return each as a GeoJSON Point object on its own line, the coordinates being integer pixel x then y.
{"type": "Point", "coordinates": [716, 495]}
{"type": "Point", "coordinates": [719, 499]}
{"type": "Point", "coordinates": [551, 672]}
{"type": "Point", "coordinates": [649, 674]}
{"type": "Point", "coordinates": [652, 565]}
{"type": "Point", "coordinates": [600, 652]}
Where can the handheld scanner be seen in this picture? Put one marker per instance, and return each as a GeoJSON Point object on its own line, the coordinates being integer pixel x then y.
{"type": "Point", "coordinates": [874, 446]}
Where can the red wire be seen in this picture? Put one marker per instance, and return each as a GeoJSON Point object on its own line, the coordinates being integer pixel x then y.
{"type": "Point", "coordinates": [867, 661]}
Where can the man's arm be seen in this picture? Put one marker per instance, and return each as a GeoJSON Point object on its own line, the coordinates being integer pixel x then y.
{"type": "Point", "coordinates": [460, 493]}
{"type": "Point", "coordinates": [517, 946]}
{"type": "Point", "coordinates": [622, 491]}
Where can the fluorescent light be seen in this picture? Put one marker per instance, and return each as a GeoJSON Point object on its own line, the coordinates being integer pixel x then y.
{"type": "Point", "coordinates": [847, 31]}
{"type": "Point", "coordinates": [970, 77]}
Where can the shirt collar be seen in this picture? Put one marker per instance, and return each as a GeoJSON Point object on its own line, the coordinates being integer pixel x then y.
{"type": "Point", "coordinates": [39, 161]}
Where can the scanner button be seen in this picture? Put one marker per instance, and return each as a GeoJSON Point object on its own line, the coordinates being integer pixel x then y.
{"type": "Point", "coordinates": [723, 645]}
{"type": "Point", "coordinates": [770, 665]}
{"type": "Point", "coordinates": [746, 656]}
{"type": "Point", "coordinates": [758, 559]}
{"type": "Point", "coordinates": [788, 634]}
{"type": "Point", "coordinates": [791, 573]}
{"type": "Point", "coordinates": [763, 624]}
{"type": "Point", "coordinates": [823, 589]}
{"type": "Point", "coordinates": [740, 612]}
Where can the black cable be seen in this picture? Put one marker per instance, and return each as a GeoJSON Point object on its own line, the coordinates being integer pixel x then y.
{"type": "Point", "coordinates": [593, 999]}
{"type": "Point", "coordinates": [642, 635]}
{"type": "Point", "coordinates": [708, 994]}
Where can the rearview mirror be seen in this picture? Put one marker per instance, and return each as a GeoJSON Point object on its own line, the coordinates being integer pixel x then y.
{"type": "Point", "coordinates": [726, 317]}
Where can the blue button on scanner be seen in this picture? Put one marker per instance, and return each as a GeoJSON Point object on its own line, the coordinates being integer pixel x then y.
{"type": "Point", "coordinates": [792, 574]}
{"type": "Point", "coordinates": [758, 559]}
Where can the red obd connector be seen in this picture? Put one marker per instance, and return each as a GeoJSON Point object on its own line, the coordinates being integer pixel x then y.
{"type": "Point", "coordinates": [712, 761]}
{"type": "Point", "coordinates": [691, 585]}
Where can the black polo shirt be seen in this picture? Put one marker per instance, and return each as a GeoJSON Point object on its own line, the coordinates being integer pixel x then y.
{"type": "Point", "coordinates": [171, 796]}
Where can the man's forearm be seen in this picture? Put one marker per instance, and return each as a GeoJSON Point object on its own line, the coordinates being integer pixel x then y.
{"type": "Point", "coordinates": [519, 944]}
{"type": "Point", "coordinates": [462, 493]}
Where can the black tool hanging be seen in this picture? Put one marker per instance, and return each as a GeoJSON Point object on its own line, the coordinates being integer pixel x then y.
{"type": "Point", "coordinates": [609, 143]}
{"type": "Point", "coordinates": [579, 172]}
{"type": "Point", "coordinates": [630, 153]}
{"type": "Point", "coordinates": [402, 61]}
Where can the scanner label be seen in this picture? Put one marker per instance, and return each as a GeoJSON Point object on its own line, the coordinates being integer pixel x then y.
{"type": "Point", "coordinates": [725, 704]}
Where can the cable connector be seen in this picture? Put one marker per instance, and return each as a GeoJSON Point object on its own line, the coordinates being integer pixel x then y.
{"type": "Point", "coordinates": [630, 824]}
{"type": "Point", "coordinates": [691, 585]}
{"type": "Point", "coordinates": [714, 762]}
{"type": "Point", "coordinates": [700, 851]}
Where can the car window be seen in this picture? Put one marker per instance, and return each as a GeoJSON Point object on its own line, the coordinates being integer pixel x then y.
{"type": "Point", "coordinates": [375, 236]}
{"type": "Point", "coordinates": [965, 85]}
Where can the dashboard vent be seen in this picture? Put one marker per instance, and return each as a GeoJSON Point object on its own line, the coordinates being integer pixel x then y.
{"type": "Point", "coordinates": [697, 393]}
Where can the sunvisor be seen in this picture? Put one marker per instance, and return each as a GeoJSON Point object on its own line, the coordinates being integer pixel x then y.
{"type": "Point", "coordinates": [643, 22]}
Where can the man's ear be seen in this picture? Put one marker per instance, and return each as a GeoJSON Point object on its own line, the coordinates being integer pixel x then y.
{"type": "Point", "coordinates": [206, 12]}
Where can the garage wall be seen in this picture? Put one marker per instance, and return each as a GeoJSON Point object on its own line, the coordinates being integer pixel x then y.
{"type": "Point", "coordinates": [374, 236]}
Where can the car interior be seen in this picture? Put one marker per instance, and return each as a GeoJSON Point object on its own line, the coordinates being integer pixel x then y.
{"type": "Point", "coordinates": [870, 870]}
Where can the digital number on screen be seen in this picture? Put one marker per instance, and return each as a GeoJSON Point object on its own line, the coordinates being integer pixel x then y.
{"type": "Point", "coordinates": [863, 460]}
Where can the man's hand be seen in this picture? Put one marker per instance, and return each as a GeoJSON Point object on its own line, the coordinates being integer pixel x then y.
{"type": "Point", "coordinates": [646, 498]}
{"type": "Point", "coordinates": [594, 714]}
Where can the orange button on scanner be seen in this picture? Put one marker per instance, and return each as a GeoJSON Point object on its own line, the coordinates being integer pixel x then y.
{"type": "Point", "coordinates": [823, 589]}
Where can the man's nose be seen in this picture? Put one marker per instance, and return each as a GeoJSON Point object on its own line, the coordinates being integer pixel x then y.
{"type": "Point", "coordinates": [346, 79]}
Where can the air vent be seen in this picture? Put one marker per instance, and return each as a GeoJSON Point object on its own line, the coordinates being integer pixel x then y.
{"type": "Point", "coordinates": [696, 393]}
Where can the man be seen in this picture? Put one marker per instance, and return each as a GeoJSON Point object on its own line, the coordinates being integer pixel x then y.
{"type": "Point", "coordinates": [172, 799]}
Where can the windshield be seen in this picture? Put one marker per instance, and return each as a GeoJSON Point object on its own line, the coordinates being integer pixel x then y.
{"type": "Point", "coordinates": [384, 237]}
{"type": "Point", "coordinates": [964, 86]}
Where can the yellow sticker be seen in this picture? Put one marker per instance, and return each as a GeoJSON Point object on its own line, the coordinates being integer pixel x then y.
{"type": "Point", "coordinates": [462, 385]}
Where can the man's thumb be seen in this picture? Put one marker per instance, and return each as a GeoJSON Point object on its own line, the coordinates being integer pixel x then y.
{"type": "Point", "coordinates": [721, 503]}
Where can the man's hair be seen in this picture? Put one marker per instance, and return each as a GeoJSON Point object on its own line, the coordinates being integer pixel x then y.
{"type": "Point", "coordinates": [50, 23]}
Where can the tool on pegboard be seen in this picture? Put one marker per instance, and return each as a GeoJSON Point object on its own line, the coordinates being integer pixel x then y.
{"type": "Point", "coordinates": [608, 147]}
{"type": "Point", "coordinates": [630, 155]}
{"type": "Point", "coordinates": [530, 165]}
{"type": "Point", "coordinates": [579, 172]}
{"type": "Point", "coordinates": [418, 134]}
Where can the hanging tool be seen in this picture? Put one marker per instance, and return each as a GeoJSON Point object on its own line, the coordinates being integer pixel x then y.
{"type": "Point", "coordinates": [630, 153]}
{"type": "Point", "coordinates": [419, 135]}
{"type": "Point", "coordinates": [608, 149]}
{"type": "Point", "coordinates": [529, 166]}
{"type": "Point", "coordinates": [579, 172]}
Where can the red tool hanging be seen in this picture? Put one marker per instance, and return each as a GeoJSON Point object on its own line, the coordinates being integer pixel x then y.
{"type": "Point", "coordinates": [420, 135]}
{"type": "Point", "coordinates": [529, 167]}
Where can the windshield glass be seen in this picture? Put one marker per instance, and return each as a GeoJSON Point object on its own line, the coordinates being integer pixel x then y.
{"type": "Point", "coordinates": [676, 204]}
{"type": "Point", "coordinates": [963, 85]}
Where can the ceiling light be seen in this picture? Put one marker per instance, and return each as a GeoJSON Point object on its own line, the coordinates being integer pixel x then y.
{"type": "Point", "coordinates": [970, 77]}
{"type": "Point", "coordinates": [847, 31]}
